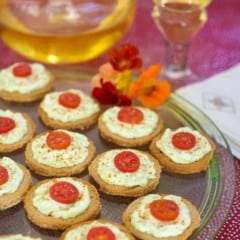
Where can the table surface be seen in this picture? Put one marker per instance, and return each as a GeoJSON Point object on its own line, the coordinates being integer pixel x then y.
{"type": "Point", "coordinates": [214, 49]}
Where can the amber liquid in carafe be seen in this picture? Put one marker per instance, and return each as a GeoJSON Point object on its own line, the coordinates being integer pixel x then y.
{"type": "Point", "coordinates": [66, 48]}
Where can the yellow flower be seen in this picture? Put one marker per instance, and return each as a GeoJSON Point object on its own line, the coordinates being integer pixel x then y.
{"type": "Point", "coordinates": [124, 81]}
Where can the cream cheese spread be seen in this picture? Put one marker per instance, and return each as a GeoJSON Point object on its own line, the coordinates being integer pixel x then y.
{"type": "Point", "coordinates": [74, 154]}
{"type": "Point", "coordinates": [82, 231]}
{"type": "Point", "coordinates": [143, 221]}
{"type": "Point", "coordinates": [18, 132]}
{"type": "Point", "coordinates": [47, 206]}
{"type": "Point", "coordinates": [56, 111]}
{"type": "Point", "coordinates": [110, 174]}
{"type": "Point", "coordinates": [15, 176]}
{"type": "Point", "coordinates": [38, 79]}
{"type": "Point", "coordinates": [130, 131]}
{"type": "Point", "coordinates": [201, 148]}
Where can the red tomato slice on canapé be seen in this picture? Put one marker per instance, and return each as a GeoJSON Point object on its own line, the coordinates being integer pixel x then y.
{"type": "Point", "coordinates": [69, 100]}
{"type": "Point", "coordinates": [64, 192]}
{"type": "Point", "coordinates": [3, 175]}
{"type": "Point", "coordinates": [183, 140]}
{"type": "Point", "coordinates": [127, 161]}
{"type": "Point", "coordinates": [100, 233]}
{"type": "Point", "coordinates": [22, 70]}
{"type": "Point", "coordinates": [164, 209]}
{"type": "Point", "coordinates": [6, 124]}
{"type": "Point", "coordinates": [130, 115]}
{"type": "Point", "coordinates": [58, 140]}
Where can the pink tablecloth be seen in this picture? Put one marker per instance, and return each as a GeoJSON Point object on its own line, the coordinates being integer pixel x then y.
{"type": "Point", "coordinates": [215, 48]}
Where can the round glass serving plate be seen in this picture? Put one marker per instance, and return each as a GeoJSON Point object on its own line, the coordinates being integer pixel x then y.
{"type": "Point", "coordinates": [211, 192]}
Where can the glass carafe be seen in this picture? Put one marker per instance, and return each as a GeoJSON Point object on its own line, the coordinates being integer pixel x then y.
{"type": "Point", "coordinates": [64, 31]}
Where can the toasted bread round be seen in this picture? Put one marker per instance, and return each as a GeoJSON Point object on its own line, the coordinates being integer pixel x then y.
{"type": "Point", "coordinates": [27, 95]}
{"type": "Point", "coordinates": [17, 237]}
{"type": "Point", "coordinates": [11, 199]}
{"type": "Point", "coordinates": [31, 128]}
{"type": "Point", "coordinates": [80, 123]}
{"type": "Point", "coordinates": [100, 222]}
{"type": "Point", "coordinates": [126, 141]}
{"type": "Point", "coordinates": [44, 169]}
{"type": "Point", "coordinates": [120, 189]}
{"type": "Point", "coordinates": [50, 222]}
{"type": "Point", "coordinates": [182, 168]}
{"type": "Point", "coordinates": [194, 215]}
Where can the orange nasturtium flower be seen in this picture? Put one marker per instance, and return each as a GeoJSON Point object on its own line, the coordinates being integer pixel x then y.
{"type": "Point", "coordinates": [125, 58]}
{"type": "Point", "coordinates": [148, 89]}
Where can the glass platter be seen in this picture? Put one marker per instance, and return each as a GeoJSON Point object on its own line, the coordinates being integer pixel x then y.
{"type": "Point", "coordinates": [212, 192]}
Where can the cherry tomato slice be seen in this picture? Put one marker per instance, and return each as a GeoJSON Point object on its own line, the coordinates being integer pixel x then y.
{"type": "Point", "coordinates": [58, 140]}
{"type": "Point", "coordinates": [3, 175]}
{"type": "Point", "coordinates": [64, 192]}
{"type": "Point", "coordinates": [22, 70]}
{"type": "Point", "coordinates": [6, 124]}
{"type": "Point", "coordinates": [100, 233]}
{"type": "Point", "coordinates": [127, 161]}
{"type": "Point", "coordinates": [164, 209]}
{"type": "Point", "coordinates": [183, 140]}
{"type": "Point", "coordinates": [69, 100]}
{"type": "Point", "coordinates": [130, 115]}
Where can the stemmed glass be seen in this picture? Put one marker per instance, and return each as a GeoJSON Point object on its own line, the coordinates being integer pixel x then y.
{"type": "Point", "coordinates": [178, 21]}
